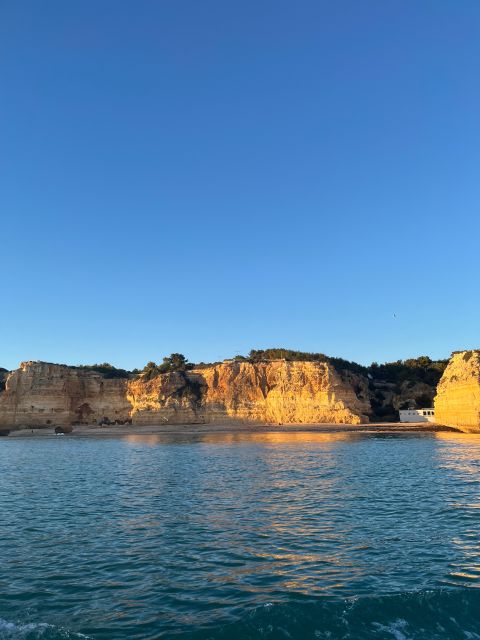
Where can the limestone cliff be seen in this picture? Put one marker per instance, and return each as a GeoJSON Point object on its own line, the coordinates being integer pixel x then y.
{"type": "Point", "coordinates": [457, 403]}
{"type": "Point", "coordinates": [43, 394]}
{"type": "Point", "coordinates": [278, 392]}
{"type": "Point", "coordinates": [168, 398]}
{"type": "Point", "coordinates": [282, 392]}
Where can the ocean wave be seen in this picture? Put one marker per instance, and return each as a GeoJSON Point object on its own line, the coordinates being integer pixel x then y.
{"type": "Point", "coordinates": [441, 614]}
{"type": "Point", "coordinates": [36, 630]}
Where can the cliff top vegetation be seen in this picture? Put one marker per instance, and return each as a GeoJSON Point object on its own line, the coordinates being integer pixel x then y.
{"type": "Point", "coordinates": [106, 369]}
{"type": "Point", "coordinates": [173, 362]}
{"type": "Point", "coordinates": [421, 369]}
{"type": "Point", "coordinates": [3, 375]}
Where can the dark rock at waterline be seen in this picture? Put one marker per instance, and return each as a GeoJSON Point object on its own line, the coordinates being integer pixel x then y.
{"type": "Point", "coordinates": [65, 429]}
{"type": "Point", "coordinates": [4, 432]}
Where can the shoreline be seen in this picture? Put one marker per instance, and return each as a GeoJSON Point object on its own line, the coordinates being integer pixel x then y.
{"type": "Point", "coordinates": [196, 429]}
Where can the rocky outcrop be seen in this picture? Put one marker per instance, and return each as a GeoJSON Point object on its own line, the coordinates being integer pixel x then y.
{"type": "Point", "coordinates": [457, 403]}
{"type": "Point", "coordinates": [168, 398]}
{"type": "Point", "coordinates": [273, 392]}
{"type": "Point", "coordinates": [42, 394]}
{"type": "Point", "coordinates": [39, 394]}
{"type": "Point", "coordinates": [283, 392]}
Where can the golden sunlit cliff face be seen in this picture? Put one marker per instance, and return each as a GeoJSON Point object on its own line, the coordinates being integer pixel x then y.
{"type": "Point", "coordinates": [169, 398]}
{"type": "Point", "coordinates": [457, 403]}
{"type": "Point", "coordinates": [42, 394]}
{"type": "Point", "coordinates": [282, 392]}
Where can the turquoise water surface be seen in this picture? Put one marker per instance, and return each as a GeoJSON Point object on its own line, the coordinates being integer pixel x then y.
{"type": "Point", "coordinates": [301, 535]}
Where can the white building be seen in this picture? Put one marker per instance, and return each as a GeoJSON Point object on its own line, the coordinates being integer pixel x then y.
{"type": "Point", "coordinates": [417, 415]}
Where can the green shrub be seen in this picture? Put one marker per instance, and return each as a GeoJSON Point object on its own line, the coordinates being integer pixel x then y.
{"type": "Point", "coordinates": [174, 362]}
{"type": "Point", "coordinates": [106, 370]}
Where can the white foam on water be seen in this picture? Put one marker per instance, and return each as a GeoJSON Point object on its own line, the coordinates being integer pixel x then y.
{"type": "Point", "coordinates": [397, 629]}
{"type": "Point", "coordinates": [31, 630]}
{"type": "Point", "coordinates": [12, 630]}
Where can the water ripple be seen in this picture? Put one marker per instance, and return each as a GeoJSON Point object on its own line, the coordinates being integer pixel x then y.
{"type": "Point", "coordinates": [240, 535]}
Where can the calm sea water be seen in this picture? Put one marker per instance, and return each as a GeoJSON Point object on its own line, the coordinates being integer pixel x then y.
{"type": "Point", "coordinates": [322, 536]}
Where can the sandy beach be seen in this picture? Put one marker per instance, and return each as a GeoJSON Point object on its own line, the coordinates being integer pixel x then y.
{"type": "Point", "coordinates": [192, 429]}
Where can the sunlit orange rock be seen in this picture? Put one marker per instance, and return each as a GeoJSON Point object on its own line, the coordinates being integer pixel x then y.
{"type": "Point", "coordinates": [457, 403]}
{"type": "Point", "coordinates": [40, 394]}
{"type": "Point", "coordinates": [171, 398]}
{"type": "Point", "coordinates": [271, 392]}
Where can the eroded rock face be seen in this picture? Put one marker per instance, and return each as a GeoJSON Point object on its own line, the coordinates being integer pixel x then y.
{"type": "Point", "coordinates": [39, 394]}
{"type": "Point", "coordinates": [457, 403]}
{"type": "Point", "coordinates": [282, 392]}
{"type": "Point", "coordinates": [173, 398]}
{"type": "Point", "coordinates": [274, 392]}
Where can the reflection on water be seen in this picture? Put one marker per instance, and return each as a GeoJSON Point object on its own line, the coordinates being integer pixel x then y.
{"type": "Point", "coordinates": [459, 456]}
{"type": "Point", "coordinates": [269, 437]}
{"type": "Point", "coordinates": [149, 440]}
{"type": "Point", "coordinates": [159, 534]}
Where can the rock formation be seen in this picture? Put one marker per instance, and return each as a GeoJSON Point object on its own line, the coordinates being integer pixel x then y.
{"type": "Point", "coordinates": [282, 392]}
{"type": "Point", "coordinates": [457, 403]}
{"type": "Point", "coordinates": [43, 394]}
{"type": "Point", "coordinates": [173, 397]}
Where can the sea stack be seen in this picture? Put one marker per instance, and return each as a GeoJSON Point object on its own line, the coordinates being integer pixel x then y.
{"type": "Point", "coordinates": [457, 403]}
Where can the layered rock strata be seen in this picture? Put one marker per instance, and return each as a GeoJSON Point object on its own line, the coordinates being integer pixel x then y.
{"type": "Point", "coordinates": [457, 403]}
{"type": "Point", "coordinates": [282, 392]}
{"type": "Point", "coordinates": [43, 394]}
{"type": "Point", "coordinates": [170, 398]}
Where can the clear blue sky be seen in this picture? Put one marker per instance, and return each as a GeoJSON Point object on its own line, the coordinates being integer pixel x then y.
{"type": "Point", "coordinates": [210, 177]}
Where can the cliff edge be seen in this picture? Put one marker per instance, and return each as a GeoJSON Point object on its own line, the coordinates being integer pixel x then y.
{"type": "Point", "coordinates": [283, 392]}
{"type": "Point", "coordinates": [271, 392]}
{"type": "Point", "coordinates": [40, 394]}
{"type": "Point", "coordinates": [457, 403]}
